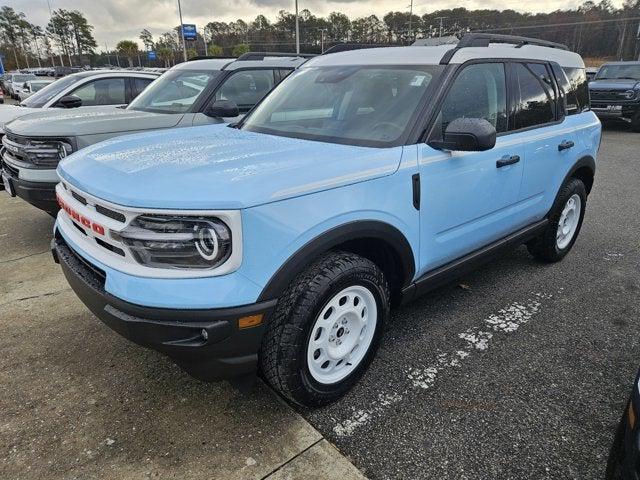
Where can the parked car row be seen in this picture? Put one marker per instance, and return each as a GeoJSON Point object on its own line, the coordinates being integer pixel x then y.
{"type": "Point", "coordinates": [192, 93]}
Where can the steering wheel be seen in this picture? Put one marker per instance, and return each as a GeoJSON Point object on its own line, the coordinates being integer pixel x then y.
{"type": "Point", "coordinates": [388, 126]}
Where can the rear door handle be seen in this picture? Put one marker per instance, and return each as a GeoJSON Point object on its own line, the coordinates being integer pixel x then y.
{"type": "Point", "coordinates": [566, 145]}
{"type": "Point", "coordinates": [507, 160]}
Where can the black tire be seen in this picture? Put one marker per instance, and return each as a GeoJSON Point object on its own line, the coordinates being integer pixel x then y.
{"type": "Point", "coordinates": [283, 355]}
{"type": "Point", "coordinates": [616, 453]}
{"type": "Point", "coordinates": [545, 247]}
{"type": "Point", "coordinates": [635, 122]}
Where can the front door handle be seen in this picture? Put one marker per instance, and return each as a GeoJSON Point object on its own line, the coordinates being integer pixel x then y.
{"type": "Point", "coordinates": [507, 160]}
{"type": "Point", "coordinates": [566, 145]}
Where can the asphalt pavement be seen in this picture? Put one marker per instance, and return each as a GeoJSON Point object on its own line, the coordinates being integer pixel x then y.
{"type": "Point", "coordinates": [519, 370]}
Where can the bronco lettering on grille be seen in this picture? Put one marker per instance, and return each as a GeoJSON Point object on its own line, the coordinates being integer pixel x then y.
{"type": "Point", "coordinates": [81, 219]}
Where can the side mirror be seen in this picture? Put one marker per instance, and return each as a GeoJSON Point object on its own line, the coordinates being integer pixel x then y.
{"type": "Point", "coordinates": [467, 135]}
{"type": "Point", "coordinates": [69, 101]}
{"type": "Point", "coordinates": [222, 108]}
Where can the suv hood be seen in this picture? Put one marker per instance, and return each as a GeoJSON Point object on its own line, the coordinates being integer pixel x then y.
{"type": "Point", "coordinates": [10, 112]}
{"type": "Point", "coordinates": [217, 167]}
{"type": "Point", "coordinates": [54, 122]}
{"type": "Point", "coordinates": [613, 84]}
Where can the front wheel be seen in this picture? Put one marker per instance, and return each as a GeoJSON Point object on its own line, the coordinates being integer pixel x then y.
{"type": "Point", "coordinates": [565, 221]}
{"type": "Point", "coordinates": [326, 329]}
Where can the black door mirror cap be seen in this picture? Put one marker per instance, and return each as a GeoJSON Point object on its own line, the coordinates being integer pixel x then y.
{"type": "Point", "coordinates": [221, 109]}
{"type": "Point", "coordinates": [69, 101]}
{"type": "Point", "coordinates": [467, 135]}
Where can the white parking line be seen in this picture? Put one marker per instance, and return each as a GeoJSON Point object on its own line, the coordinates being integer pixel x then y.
{"type": "Point", "coordinates": [476, 339]}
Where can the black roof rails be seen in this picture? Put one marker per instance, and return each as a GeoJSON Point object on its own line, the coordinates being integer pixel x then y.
{"type": "Point", "coordinates": [261, 55]}
{"type": "Point", "coordinates": [346, 47]}
{"type": "Point", "coordinates": [484, 39]}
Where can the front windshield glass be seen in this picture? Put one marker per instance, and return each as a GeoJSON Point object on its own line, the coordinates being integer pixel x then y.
{"type": "Point", "coordinates": [630, 72]}
{"type": "Point", "coordinates": [37, 86]}
{"type": "Point", "coordinates": [40, 98]}
{"type": "Point", "coordinates": [358, 105]}
{"type": "Point", "coordinates": [174, 92]}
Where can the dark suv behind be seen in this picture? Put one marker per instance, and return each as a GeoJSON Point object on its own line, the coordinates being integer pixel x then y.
{"type": "Point", "coordinates": [615, 93]}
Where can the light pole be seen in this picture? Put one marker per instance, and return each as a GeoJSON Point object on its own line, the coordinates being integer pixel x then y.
{"type": "Point", "coordinates": [297, 30]}
{"type": "Point", "coordinates": [410, 18]}
{"type": "Point", "coordinates": [322, 32]}
{"type": "Point", "coordinates": [184, 44]}
{"type": "Point", "coordinates": [56, 32]}
{"type": "Point", "coordinates": [441, 24]}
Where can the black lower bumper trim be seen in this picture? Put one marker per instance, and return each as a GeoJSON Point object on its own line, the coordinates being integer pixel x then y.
{"type": "Point", "coordinates": [207, 343]}
{"type": "Point", "coordinates": [39, 194]}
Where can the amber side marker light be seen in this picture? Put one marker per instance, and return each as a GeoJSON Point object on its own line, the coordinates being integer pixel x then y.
{"type": "Point", "coordinates": [632, 416]}
{"type": "Point", "coordinates": [251, 321]}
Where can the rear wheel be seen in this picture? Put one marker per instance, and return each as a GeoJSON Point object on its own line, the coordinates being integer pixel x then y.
{"type": "Point", "coordinates": [565, 221]}
{"type": "Point", "coordinates": [635, 122]}
{"type": "Point", "coordinates": [326, 329]}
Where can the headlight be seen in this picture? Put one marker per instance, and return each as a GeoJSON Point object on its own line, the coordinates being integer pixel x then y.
{"type": "Point", "coordinates": [178, 242]}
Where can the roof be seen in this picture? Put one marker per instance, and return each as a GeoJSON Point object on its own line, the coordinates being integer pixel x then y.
{"type": "Point", "coordinates": [433, 55]}
{"type": "Point", "coordinates": [91, 73]}
{"type": "Point", "coordinates": [233, 64]}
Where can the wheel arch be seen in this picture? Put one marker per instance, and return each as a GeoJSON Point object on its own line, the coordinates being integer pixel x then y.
{"type": "Point", "coordinates": [378, 241]}
{"type": "Point", "coordinates": [585, 170]}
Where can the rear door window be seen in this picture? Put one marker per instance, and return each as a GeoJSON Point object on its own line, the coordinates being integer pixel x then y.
{"type": "Point", "coordinates": [535, 104]}
{"type": "Point", "coordinates": [139, 84]}
{"type": "Point", "coordinates": [106, 91]}
{"type": "Point", "coordinates": [246, 87]}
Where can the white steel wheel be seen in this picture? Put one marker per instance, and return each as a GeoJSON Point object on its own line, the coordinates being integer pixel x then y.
{"type": "Point", "coordinates": [342, 334]}
{"type": "Point", "coordinates": [569, 221]}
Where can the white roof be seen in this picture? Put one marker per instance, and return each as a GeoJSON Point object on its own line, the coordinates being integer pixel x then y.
{"type": "Point", "coordinates": [419, 55]}
{"type": "Point", "coordinates": [204, 64]}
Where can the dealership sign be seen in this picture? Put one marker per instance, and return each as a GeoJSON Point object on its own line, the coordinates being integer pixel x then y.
{"type": "Point", "coordinates": [189, 31]}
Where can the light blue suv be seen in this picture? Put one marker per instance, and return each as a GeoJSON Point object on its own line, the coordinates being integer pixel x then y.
{"type": "Point", "coordinates": [367, 177]}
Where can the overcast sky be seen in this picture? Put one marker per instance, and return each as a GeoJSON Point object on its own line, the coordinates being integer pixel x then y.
{"type": "Point", "coordinates": [116, 20]}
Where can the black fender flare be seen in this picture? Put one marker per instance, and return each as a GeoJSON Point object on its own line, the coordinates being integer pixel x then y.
{"type": "Point", "coordinates": [586, 161]}
{"type": "Point", "coordinates": [330, 239]}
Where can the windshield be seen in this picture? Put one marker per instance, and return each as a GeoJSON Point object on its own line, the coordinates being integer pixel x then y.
{"type": "Point", "coordinates": [631, 72]}
{"type": "Point", "coordinates": [174, 92]}
{"type": "Point", "coordinates": [358, 105]}
{"type": "Point", "coordinates": [37, 86]}
{"type": "Point", "coordinates": [22, 78]}
{"type": "Point", "coordinates": [40, 98]}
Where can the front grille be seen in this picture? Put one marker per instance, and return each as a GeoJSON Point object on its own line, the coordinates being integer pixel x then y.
{"type": "Point", "coordinates": [79, 197]}
{"type": "Point", "coordinates": [109, 247]}
{"type": "Point", "coordinates": [39, 152]}
{"type": "Point", "coordinates": [612, 95]}
{"type": "Point", "coordinates": [107, 212]}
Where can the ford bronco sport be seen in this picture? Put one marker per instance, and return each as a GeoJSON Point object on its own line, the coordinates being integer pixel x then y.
{"type": "Point", "coordinates": [367, 177]}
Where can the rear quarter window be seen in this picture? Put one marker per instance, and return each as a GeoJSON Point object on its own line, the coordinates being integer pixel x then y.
{"type": "Point", "coordinates": [579, 86]}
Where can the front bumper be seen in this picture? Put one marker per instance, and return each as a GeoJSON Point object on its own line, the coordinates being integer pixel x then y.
{"type": "Point", "coordinates": [39, 194]}
{"type": "Point", "coordinates": [614, 110]}
{"type": "Point", "coordinates": [208, 344]}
